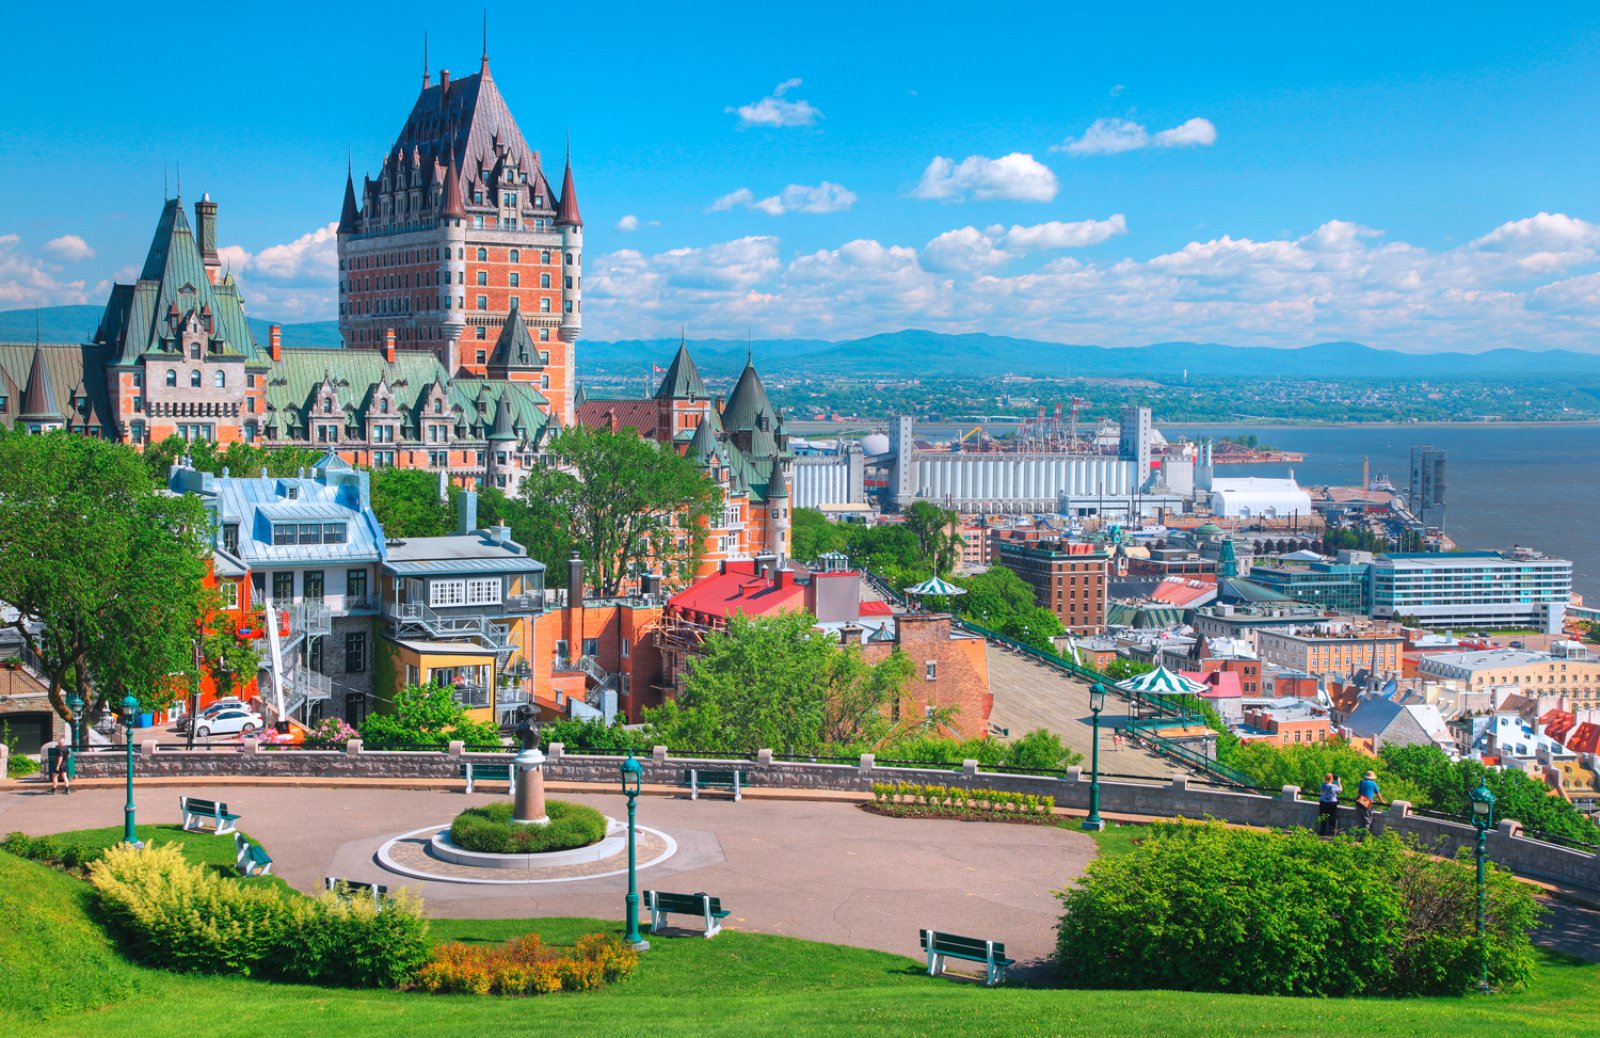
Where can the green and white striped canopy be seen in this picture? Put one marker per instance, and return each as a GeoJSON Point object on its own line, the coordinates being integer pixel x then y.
{"type": "Point", "coordinates": [1162, 682]}
{"type": "Point", "coordinates": [934, 586]}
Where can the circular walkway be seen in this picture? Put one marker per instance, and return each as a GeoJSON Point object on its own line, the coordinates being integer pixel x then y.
{"type": "Point", "coordinates": [818, 870]}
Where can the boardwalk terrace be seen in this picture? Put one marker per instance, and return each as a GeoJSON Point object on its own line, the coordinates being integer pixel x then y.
{"type": "Point", "coordinates": [1516, 588]}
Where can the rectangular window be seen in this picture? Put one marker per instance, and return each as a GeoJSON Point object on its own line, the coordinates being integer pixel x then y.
{"type": "Point", "coordinates": [591, 646]}
{"type": "Point", "coordinates": [310, 533]}
{"type": "Point", "coordinates": [314, 655]}
{"type": "Point", "coordinates": [355, 652]}
{"type": "Point", "coordinates": [624, 648]}
{"type": "Point", "coordinates": [313, 585]}
{"type": "Point", "coordinates": [282, 589]}
{"type": "Point", "coordinates": [333, 533]}
{"type": "Point", "coordinates": [230, 537]}
{"type": "Point", "coordinates": [931, 670]}
{"type": "Point", "coordinates": [355, 585]}
{"type": "Point", "coordinates": [447, 593]}
{"type": "Point", "coordinates": [230, 594]}
{"type": "Point", "coordinates": [483, 591]}
{"type": "Point", "coordinates": [283, 533]}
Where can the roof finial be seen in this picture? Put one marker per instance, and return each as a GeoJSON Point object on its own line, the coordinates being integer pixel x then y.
{"type": "Point", "coordinates": [485, 37]}
{"type": "Point", "coordinates": [569, 146]}
{"type": "Point", "coordinates": [179, 166]}
{"type": "Point", "coordinates": [166, 184]}
{"type": "Point", "coordinates": [424, 59]}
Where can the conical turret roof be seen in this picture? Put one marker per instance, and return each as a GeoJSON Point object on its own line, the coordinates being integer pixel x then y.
{"type": "Point", "coordinates": [748, 399]}
{"type": "Point", "coordinates": [352, 212]}
{"type": "Point", "coordinates": [682, 380]}
{"type": "Point", "coordinates": [704, 446]}
{"type": "Point", "coordinates": [567, 212]}
{"type": "Point", "coordinates": [502, 420]}
{"type": "Point", "coordinates": [39, 398]}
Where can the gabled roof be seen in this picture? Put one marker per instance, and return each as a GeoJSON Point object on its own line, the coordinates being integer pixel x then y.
{"type": "Point", "coordinates": [515, 347]}
{"type": "Point", "coordinates": [738, 590]}
{"type": "Point", "coordinates": [69, 371]}
{"type": "Point", "coordinates": [638, 415]}
{"type": "Point", "coordinates": [682, 380]}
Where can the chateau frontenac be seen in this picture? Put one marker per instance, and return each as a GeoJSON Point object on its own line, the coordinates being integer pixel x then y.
{"type": "Point", "coordinates": [460, 305]}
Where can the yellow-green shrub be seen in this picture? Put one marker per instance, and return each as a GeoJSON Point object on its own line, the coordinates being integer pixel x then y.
{"type": "Point", "coordinates": [524, 966]}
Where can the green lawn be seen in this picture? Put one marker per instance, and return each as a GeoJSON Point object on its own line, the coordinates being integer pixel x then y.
{"type": "Point", "coordinates": [1116, 838]}
{"type": "Point", "coordinates": [63, 978]}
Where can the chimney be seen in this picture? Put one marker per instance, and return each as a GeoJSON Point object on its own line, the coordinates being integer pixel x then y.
{"type": "Point", "coordinates": [388, 345]}
{"type": "Point", "coordinates": [467, 511]}
{"type": "Point", "coordinates": [501, 533]}
{"type": "Point", "coordinates": [574, 581]}
{"type": "Point", "coordinates": [275, 341]}
{"type": "Point", "coordinates": [205, 218]}
{"type": "Point", "coordinates": [444, 81]}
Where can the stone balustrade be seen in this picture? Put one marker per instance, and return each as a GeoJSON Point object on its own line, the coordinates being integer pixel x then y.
{"type": "Point", "coordinates": [1181, 797]}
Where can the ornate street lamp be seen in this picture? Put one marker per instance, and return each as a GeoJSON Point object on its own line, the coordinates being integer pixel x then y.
{"type": "Point", "coordinates": [1097, 703]}
{"type": "Point", "coordinates": [130, 713]}
{"type": "Point", "coordinates": [75, 704]}
{"type": "Point", "coordinates": [1483, 819]}
{"type": "Point", "coordinates": [632, 775]}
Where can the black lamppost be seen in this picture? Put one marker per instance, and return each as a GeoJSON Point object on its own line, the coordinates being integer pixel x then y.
{"type": "Point", "coordinates": [1483, 819]}
{"type": "Point", "coordinates": [130, 713]}
{"type": "Point", "coordinates": [632, 775]}
{"type": "Point", "coordinates": [1097, 703]}
{"type": "Point", "coordinates": [75, 704]}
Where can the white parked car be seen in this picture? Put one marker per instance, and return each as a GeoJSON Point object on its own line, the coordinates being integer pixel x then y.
{"type": "Point", "coordinates": [211, 710]}
{"type": "Point", "coordinates": [233, 721]}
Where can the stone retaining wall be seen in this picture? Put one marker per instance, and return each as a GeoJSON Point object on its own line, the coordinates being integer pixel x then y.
{"type": "Point", "coordinates": [1179, 798]}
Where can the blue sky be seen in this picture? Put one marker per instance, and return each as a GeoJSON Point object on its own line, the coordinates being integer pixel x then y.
{"type": "Point", "coordinates": [1417, 177]}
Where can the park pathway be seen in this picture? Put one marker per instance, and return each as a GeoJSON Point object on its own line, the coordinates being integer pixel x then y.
{"type": "Point", "coordinates": [1029, 695]}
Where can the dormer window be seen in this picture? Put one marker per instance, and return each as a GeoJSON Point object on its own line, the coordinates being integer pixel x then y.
{"type": "Point", "coordinates": [438, 407]}
{"type": "Point", "coordinates": [538, 201]}
{"type": "Point", "coordinates": [172, 378]}
{"type": "Point", "coordinates": [383, 407]}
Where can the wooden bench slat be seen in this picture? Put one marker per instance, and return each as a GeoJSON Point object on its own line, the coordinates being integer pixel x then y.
{"type": "Point", "coordinates": [940, 946]}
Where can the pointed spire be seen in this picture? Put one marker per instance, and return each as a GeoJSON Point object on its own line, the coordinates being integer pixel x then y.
{"type": "Point", "coordinates": [39, 398]}
{"type": "Point", "coordinates": [351, 215]}
{"type": "Point", "coordinates": [502, 420]}
{"type": "Point", "coordinates": [454, 206]}
{"type": "Point", "coordinates": [777, 486]}
{"type": "Point", "coordinates": [747, 401]}
{"type": "Point", "coordinates": [682, 380]}
{"type": "Point", "coordinates": [704, 446]}
{"type": "Point", "coordinates": [425, 76]}
{"type": "Point", "coordinates": [484, 69]}
{"type": "Point", "coordinates": [567, 211]}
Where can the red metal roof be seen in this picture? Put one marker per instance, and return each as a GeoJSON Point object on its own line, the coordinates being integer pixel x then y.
{"type": "Point", "coordinates": [737, 590]}
{"type": "Point", "coordinates": [873, 607]}
{"type": "Point", "coordinates": [1224, 683]}
{"type": "Point", "coordinates": [1180, 592]}
{"type": "Point", "coordinates": [1585, 738]}
{"type": "Point", "coordinates": [638, 415]}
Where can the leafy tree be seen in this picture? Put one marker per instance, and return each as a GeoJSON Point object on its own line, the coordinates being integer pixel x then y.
{"type": "Point", "coordinates": [1041, 749]}
{"type": "Point", "coordinates": [406, 502]}
{"type": "Point", "coordinates": [1121, 669]}
{"type": "Point", "coordinates": [780, 683]}
{"type": "Point", "coordinates": [426, 715]}
{"type": "Point", "coordinates": [592, 735]}
{"type": "Point", "coordinates": [1444, 785]}
{"type": "Point", "coordinates": [109, 567]}
{"type": "Point", "coordinates": [812, 534]}
{"type": "Point", "coordinates": [994, 595]}
{"type": "Point", "coordinates": [937, 539]}
{"type": "Point", "coordinates": [625, 503]}
{"type": "Point", "coordinates": [240, 459]}
{"type": "Point", "coordinates": [230, 660]}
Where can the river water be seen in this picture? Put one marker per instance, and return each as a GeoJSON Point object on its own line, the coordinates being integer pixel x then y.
{"type": "Point", "coordinates": [1537, 485]}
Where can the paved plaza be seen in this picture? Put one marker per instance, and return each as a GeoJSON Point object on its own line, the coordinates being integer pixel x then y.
{"type": "Point", "coordinates": [822, 870]}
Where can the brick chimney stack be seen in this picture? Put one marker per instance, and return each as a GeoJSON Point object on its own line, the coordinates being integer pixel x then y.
{"type": "Point", "coordinates": [275, 341]}
{"type": "Point", "coordinates": [388, 345]}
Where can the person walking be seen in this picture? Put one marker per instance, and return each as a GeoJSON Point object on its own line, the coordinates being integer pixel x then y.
{"type": "Point", "coordinates": [1328, 805]}
{"type": "Point", "coordinates": [60, 757]}
{"type": "Point", "coordinates": [1367, 794]}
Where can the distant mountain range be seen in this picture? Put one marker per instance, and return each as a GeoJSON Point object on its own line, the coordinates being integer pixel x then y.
{"type": "Point", "coordinates": [914, 352]}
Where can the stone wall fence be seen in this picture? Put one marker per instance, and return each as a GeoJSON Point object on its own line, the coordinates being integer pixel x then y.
{"type": "Point", "coordinates": [1179, 797]}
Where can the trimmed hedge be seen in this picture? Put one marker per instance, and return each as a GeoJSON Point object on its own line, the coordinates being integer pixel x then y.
{"type": "Point", "coordinates": [1200, 907]}
{"type": "Point", "coordinates": [174, 915]}
{"type": "Point", "coordinates": [493, 830]}
{"type": "Point", "coordinates": [912, 798]}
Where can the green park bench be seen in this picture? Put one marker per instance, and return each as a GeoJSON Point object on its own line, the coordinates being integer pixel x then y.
{"type": "Point", "coordinates": [251, 858]}
{"type": "Point", "coordinates": [347, 889]}
{"type": "Point", "coordinates": [730, 779]}
{"type": "Point", "coordinates": [478, 772]}
{"type": "Point", "coordinates": [197, 814]}
{"type": "Point", "coordinates": [661, 904]}
{"type": "Point", "coordinates": [941, 946]}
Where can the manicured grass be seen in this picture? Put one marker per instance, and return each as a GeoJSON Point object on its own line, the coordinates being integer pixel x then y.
{"type": "Point", "coordinates": [1116, 838]}
{"type": "Point", "coordinates": [55, 962]}
{"type": "Point", "coordinates": [207, 849]}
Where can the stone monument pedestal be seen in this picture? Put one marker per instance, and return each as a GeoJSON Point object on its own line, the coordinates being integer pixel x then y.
{"type": "Point", "coordinates": [529, 809]}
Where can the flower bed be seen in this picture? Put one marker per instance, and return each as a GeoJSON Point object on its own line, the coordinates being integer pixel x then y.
{"type": "Point", "coordinates": [493, 830]}
{"type": "Point", "coordinates": [525, 966]}
{"type": "Point", "coordinates": [911, 800]}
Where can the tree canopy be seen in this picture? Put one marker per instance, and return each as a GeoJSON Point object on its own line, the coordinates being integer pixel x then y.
{"type": "Point", "coordinates": [426, 715]}
{"type": "Point", "coordinates": [406, 502]}
{"type": "Point", "coordinates": [812, 534]}
{"type": "Point", "coordinates": [240, 459]}
{"type": "Point", "coordinates": [108, 566]}
{"type": "Point", "coordinates": [623, 503]}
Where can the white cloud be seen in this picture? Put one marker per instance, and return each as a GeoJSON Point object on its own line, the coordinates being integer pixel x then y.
{"type": "Point", "coordinates": [1017, 177]}
{"type": "Point", "coordinates": [69, 247]}
{"type": "Point", "coordinates": [234, 258]}
{"type": "Point", "coordinates": [628, 223]}
{"type": "Point", "coordinates": [1112, 136]}
{"type": "Point", "coordinates": [1339, 280]}
{"type": "Point", "coordinates": [27, 280]}
{"type": "Point", "coordinates": [313, 254]}
{"type": "Point", "coordinates": [776, 110]}
{"type": "Point", "coordinates": [826, 197]}
{"type": "Point", "coordinates": [298, 280]}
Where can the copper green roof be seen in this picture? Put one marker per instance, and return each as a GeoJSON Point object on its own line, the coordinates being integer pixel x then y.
{"type": "Point", "coordinates": [748, 399]}
{"type": "Point", "coordinates": [515, 347]}
{"type": "Point", "coordinates": [682, 380]}
{"type": "Point", "coordinates": [172, 288]}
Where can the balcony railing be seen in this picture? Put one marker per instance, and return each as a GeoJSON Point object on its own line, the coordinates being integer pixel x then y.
{"type": "Point", "coordinates": [471, 696]}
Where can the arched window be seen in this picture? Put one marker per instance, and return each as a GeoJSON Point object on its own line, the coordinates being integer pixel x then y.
{"type": "Point", "coordinates": [194, 378]}
{"type": "Point", "coordinates": [544, 257]}
{"type": "Point", "coordinates": [383, 407]}
{"type": "Point", "coordinates": [483, 255]}
{"type": "Point", "coordinates": [172, 378]}
{"type": "Point", "coordinates": [516, 256]}
{"type": "Point", "coordinates": [221, 379]}
{"type": "Point", "coordinates": [327, 405]}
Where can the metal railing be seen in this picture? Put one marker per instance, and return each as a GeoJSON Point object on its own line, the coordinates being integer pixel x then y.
{"type": "Point", "coordinates": [471, 696]}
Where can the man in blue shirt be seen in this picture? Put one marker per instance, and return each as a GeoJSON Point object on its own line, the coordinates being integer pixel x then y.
{"type": "Point", "coordinates": [1366, 796]}
{"type": "Point", "coordinates": [1328, 805]}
